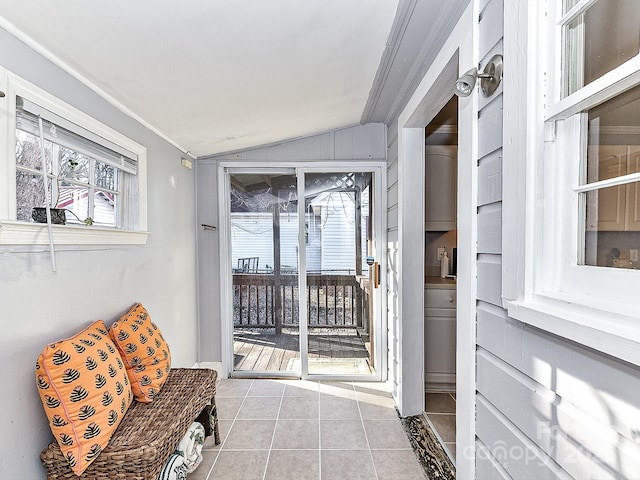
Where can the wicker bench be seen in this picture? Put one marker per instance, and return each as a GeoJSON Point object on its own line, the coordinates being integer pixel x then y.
{"type": "Point", "coordinates": [149, 432]}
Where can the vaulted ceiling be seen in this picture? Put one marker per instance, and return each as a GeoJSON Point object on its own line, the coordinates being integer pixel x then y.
{"type": "Point", "coordinates": [220, 75]}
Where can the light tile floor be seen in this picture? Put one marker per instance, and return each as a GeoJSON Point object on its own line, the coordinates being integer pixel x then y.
{"type": "Point", "coordinates": [295, 429]}
{"type": "Point", "coordinates": [440, 408]}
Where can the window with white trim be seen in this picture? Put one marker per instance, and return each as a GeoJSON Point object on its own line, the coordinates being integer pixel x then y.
{"type": "Point", "coordinates": [579, 271]}
{"type": "Point", "coordinates": [89, 177]}
{"type": "Point", "coordinates": [592, 157]}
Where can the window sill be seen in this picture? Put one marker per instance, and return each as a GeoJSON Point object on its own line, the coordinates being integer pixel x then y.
{"type": "Point", "coordinates": [610, 333]}
{"type": "Point", "coordinates": [22, 233]}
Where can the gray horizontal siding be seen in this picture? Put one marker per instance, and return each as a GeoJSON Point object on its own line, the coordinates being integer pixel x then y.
{"type": "Point", "coordinates": [490, 127]}
{"type": "Point", "coordinates": [581, 408]}
{"type": "Point", "coordinates": [582, 446]}
{"type": "Point", "coordinates": [490, 279]}
{"type": "Point", "coordinates": [490, 178]}
{"type": "Point", "coordinates": [392, 173]}
{"type": "Point", "coordinates": [546, 408]}
{"type": "Point", "coordinates": [392, 195]}
{"type": "Point", "coordinates": [604, 388]}
{"type": "Point", "coordinates": [487, 467]}
{"type": "Point", "coordinates": [518, 455]}
{"type": "Point", "coordinates": [490, 229]}
{"type": "Point", "coordinates": [491, 25]}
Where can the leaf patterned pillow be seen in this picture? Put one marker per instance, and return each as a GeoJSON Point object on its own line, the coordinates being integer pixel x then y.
{"type": "Point", "coordinates": [144, 351]}
{"type": "Point", "coordinates": [85, 392]}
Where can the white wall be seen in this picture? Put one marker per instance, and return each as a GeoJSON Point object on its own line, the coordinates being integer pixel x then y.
{"type": "Point", "coordinates": [38, 306]}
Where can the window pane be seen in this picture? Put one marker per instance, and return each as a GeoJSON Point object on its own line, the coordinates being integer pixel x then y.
{"type": "Point", "coordinates": [614, 137]}
{"type": "Point", "coordinates": [89, 174]}
{"type": "Point", "coordinates": [29, 194]}
{"type": "Point", "coordinates": [612, 232]}
{"type": "Point", "coordinates": [105, 208]}
{"type": "Point", "coordinates": [573, 57]}
{"type": "Point", "coordinates": [603, 38]}
{"type": "Point", "coordinates": [74, 199]}
{"type": "Point", "coordinates": [264, 251]}
{"type": "Point", "coordinates": [612, 237]}
{"type": "Point", "coordinates": [106, 175]}
{"type": "Point", "coordinates": [28, 151]}
{"type": "Point", "coordinates": [72, 168]}
{"type": "Point", "coordinates": [72, 165]}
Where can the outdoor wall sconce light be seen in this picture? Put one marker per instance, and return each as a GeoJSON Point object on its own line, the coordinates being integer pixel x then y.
{"type": "Point", "coordinates": [490, 78]}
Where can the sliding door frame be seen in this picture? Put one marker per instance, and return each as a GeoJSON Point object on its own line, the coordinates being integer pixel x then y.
{"type": "Point", "coordinates": [378, 193]}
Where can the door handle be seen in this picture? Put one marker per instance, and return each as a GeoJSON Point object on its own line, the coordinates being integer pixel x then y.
{"type": "Point", "coordinates": [376, 274]}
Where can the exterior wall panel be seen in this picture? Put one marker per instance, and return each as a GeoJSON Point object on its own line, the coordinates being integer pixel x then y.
{"type": "Point", "coordinates": [392, 195]}
{"type": "Point", "coordinates": [487, 467]}
{"type": "Point", "coordinates": [490, 279]}
{"type": "Point", "coordinates": [518, 455]}
{"type": "Point", "coordinates": [546, 407]}
{"type": "Point", "coordinates": [490, 229]}
{"type": "Point", "coordinates": [580, 445]}
{"type": "Point", "coordinates": [490, 127]}
{"type": "Point", "coordinates": [490, 178]}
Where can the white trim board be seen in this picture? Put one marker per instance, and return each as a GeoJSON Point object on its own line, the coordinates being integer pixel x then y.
{"type": "Point", "coordinates": [421, 108]}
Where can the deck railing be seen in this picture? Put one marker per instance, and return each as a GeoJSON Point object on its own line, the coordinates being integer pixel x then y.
{"type": "Point", "coordinates": [272, 301]}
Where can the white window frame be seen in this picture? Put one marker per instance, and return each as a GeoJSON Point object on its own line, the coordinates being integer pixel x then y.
{"type": "Point", "coordinates": [543, 285]}
{"type": "Point", "coordinates": [14, 232]}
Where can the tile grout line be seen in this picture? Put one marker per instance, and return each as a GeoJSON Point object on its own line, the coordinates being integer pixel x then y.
{"type": "Point", "coordinates": [273, 435]}
{"type": "Point", "coordinates": [318, 395]}
{"type": "Point", "coordinates": [375, 470]}
{"type": "Point", "coordinates": [319, 436]}
{"type": "Point", "coordinates": [233, 422]}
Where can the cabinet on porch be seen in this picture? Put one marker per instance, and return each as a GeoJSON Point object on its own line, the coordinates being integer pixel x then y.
{"type": "Point", "coordinates": [440, 333]}
{"type": "Point", "coordinates": [441, 180]}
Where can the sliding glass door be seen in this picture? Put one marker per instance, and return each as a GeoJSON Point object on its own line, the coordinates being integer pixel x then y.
{"type": "Point", "coordinates": [264, 260]}
{"type": "Point", "coordinates": [338, 220]}
{"type": "Point", "coordinates": [302, 281]}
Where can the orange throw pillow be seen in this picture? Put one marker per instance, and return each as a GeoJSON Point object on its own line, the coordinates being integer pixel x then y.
{"type": "Point", "coordinates": [85, 392]}
{"type": "Point", "coordinates": [144, 351]}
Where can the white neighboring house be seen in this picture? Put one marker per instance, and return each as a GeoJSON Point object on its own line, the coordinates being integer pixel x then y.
{"type": "Point", "coordinates": [76, 199]}
{"type": "Point", "coordinates": [330, 236]}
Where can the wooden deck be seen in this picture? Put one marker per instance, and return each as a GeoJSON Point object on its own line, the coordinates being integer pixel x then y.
{"type": "Point", "coordinates": [331, 350]}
